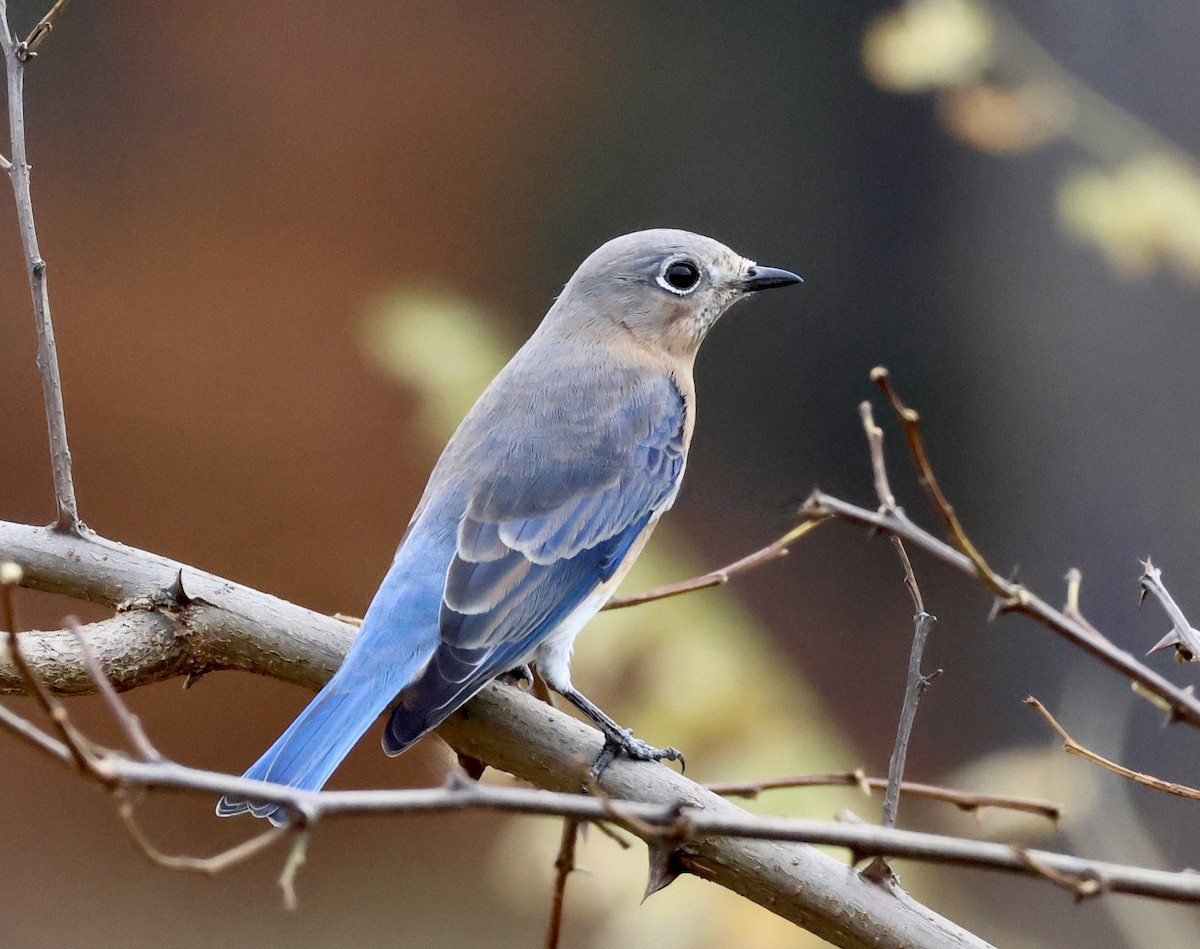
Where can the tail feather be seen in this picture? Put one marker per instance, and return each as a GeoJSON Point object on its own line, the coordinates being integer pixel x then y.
{"type": "Point", "coordinates": [307, 754]}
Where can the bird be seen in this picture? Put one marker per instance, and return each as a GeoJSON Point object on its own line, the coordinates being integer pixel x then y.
{"type": "Point", "coordinates": [538, 506]}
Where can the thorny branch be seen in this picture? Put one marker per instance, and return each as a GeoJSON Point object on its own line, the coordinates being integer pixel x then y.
{"type": "Point", "coordinates": [917, 682]}
{"type": "Point", "coordinates": [673, 819]}
{"type": "Point", "coordinates": [17, 55]}
{"type": "Point", "coordinates": [682, 826]}
{"type": "Point", "coordinates": [1182, 636]}
{"type": "Point", "coordinates": [1012, 597]}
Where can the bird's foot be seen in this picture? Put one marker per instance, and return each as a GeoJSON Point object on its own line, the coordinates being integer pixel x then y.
{"type": "Point", "coordinates": [623, 743]}
{"type": "Point", "coordinates": [521, 677]}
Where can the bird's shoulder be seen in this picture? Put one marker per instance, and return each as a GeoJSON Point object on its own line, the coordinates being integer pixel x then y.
{"type": "Point", "coordinates": [548, 431]}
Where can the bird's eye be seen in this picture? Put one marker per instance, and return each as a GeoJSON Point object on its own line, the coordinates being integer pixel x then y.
{"type": "Point", "coordinates": [681, 276]}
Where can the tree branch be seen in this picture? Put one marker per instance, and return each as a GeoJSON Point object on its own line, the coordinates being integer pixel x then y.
{"type": "Point", "coordinates": [964, 800]}
{"type": "Point", "coordinates": [1183, 706]}
{"type": "Point", "coordinates": [16, 56]}
{"type": "Point", "coordinates": [773, 551]}
{"type": "Point", "coordinates": [1182, 636]}
{"type": "Point", "coordinates": [1072, 747]}
{"type": "Point", "coordinates": [218, 624]}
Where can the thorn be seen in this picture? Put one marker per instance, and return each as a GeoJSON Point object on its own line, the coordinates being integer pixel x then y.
{"type": "Point", "coordinates": [665, 867]}
{"type": "Point", "coordinates": [879, 871]}
{"type": "Point", "coordinates": [1166, 642]}
{"type": "Point", "coordinates": [193, 677]}
{"type": "Point", "coordinates": [472, 767]}
{"type": "Point", "coordinates": [176, 592]}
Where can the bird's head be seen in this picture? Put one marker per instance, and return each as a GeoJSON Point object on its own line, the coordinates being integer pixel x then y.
{"type": "Point", "coordinates": [664, 287]}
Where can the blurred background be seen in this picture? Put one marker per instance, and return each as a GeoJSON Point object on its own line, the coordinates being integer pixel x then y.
{"type": "Point", "coordinates": [289, 245]}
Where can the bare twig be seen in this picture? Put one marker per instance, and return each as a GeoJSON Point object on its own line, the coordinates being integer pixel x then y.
{"type": "Point", "coordinates": [296, 858]}
{"type": "Point", "coordinates": [693, 825]}
{"type": "Point", "coordinates": [1182, 636]}
{"type": "Point", "coordinates": [915, 687]}
{"type": "Point", "coordinates": [1181, 704]}
{"type": "Point", "coordinates": [773, 550]}
{"type": "Point", "coordinates": [564, 866]}
{"type": "Point", "coordinates": [130, 723]}
{"type": "Point", "coordinates": [883, 488]}
{"type": "Point", "coordinates": [1081, 884]}
{"type": "Point", "coordinates": [1071, 608]}
{"type": "Point", "coordinates": [1072, 747]}
{"type": "Point", "coordinates": [916, 683]}
{"type": "Point", "coordinates": [208, 866]}
{"type": "Point", "coordinates": [911, 423]}
{"type": "Point", "coordinates": [964, 800]}
{"type": "Point", "coordinates": [15, 55]}
{"type": "Point", "coordinates": [11, 574]}
{"type": "Point", "coordinates": [41, 30]}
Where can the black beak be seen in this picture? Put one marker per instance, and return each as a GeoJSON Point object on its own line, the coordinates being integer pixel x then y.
{"type": "Point", "coordinates": [766, 278]}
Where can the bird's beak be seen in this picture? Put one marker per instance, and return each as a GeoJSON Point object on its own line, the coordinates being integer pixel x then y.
{"type": "Point", "coordinates": [766, 278]}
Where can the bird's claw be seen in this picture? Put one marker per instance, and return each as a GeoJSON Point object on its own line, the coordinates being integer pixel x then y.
{"type": "Point", "coordinates": [521, 677]}
{"type": "Point", "coordinates": [633, 748]}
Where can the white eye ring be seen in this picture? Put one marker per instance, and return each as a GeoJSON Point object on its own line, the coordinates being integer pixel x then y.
{"type": "Point", "coordinates": [679, 276]}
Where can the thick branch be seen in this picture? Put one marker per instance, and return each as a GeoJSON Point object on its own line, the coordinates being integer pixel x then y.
{"type": "Point", "coordinates": [223, 625]}
{"type": "Point", "coordinates": [180, 620]}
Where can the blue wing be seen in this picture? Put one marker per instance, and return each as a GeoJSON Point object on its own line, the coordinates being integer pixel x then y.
{"type": "Point", "coordinates": [553, 519]}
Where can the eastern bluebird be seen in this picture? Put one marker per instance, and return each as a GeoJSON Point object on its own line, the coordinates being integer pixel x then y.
{"type": "Point", "coordinates": [537, 508]}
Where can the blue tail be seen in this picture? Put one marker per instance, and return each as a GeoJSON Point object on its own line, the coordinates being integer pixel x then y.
{"type": "Point", "coordinates": [322, 735]}
{"type": "Point", "coordinates": [399, 635]}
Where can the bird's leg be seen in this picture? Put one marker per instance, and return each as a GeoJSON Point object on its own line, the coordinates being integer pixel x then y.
{"type": "Point", "coordinates": [617, 740]}
{"type": "Point", "coordinates": [521, 676]}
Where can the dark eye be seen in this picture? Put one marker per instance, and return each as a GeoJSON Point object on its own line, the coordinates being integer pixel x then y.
{"type": "Point", "coordinates": [682, 275]}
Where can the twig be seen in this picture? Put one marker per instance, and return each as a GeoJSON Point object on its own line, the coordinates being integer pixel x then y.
{"type": "Point", "coordinates": [879, 871]}
{"type": "Point", "coordinates": [15, 55]}
{"type": "Point", "coordinates": [1082, 885]}
{"type": "Point", "coordinates": [657, 821]}
{"type": "Point", "coordinates": [296, 858]}
{"type": "Point", "coordinates": [1182, 636]}
{"type": "Point", "coordinates": [1072, 747]}
{"type": "Point", "coordinates": [911, 422]}
{"type": "Point", "coordinates": [964, 800]}
{"type": "Point", "coordinates": [564, 865]}
{"type": "Point", "coordinates": [914, 688]}
{"type": "Point", "coordinates": [883, 489]}
{"type": "Point", "coordinates": [1013, 597]}
{"type": "Point", "coordinates": [1071, 608]}
{"type": "Point", "coordinates": [42, 29]}
{"type": "Point", "coordinates": [208, 866]}
{"type": "Point", "coordinates": [1182, 705]}
{"type": "Point", "coordinates": [11, 574]}
{"type": "Point", "coordinates": [130, 723]}
{"type": "Point", "coordinates": [697, 827]}
{"type": "Point", "coordinates": [773, 550]}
